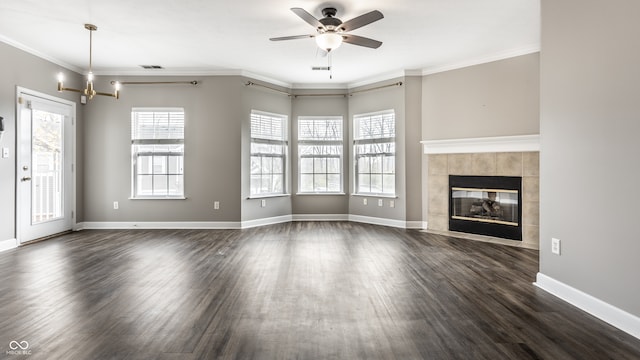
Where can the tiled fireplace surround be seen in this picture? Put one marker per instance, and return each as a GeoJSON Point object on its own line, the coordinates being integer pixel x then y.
{"type": "Point", "coordinates": [509, 163]}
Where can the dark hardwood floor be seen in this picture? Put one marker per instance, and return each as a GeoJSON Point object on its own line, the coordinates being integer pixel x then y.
{"type": "Point", "coordinates": [311, 290]}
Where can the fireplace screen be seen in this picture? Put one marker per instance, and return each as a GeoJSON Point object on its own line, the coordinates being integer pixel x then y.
{"type": "Point", "coordinates": [497, 206]}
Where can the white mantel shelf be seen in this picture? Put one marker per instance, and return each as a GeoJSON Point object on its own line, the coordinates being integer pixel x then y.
{"type": "Point", "coordinates": [519, 143]}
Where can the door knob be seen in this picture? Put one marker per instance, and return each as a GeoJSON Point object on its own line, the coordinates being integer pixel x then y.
{"type": "Point", "coordinates": [26, 178]}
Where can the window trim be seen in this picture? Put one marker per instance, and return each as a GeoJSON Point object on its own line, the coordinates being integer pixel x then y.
{"type": "Point", "coordinates": [321, 142]}
{"type": "Point", "coordinates": [285, 153]}
{"type": "Point", "coordinates": [135, 155]}
{"type": "Point", "coordinates": [360, 141]}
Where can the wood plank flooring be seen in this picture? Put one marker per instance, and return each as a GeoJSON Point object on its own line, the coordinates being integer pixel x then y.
{"type": "Point", "coordinates": [302, 290]}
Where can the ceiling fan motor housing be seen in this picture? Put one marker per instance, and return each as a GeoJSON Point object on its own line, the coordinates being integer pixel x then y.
{"type": "Point", "coordinates": [329, 21]}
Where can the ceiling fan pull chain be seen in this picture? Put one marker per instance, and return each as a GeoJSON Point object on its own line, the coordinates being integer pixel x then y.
{"type": "Point", "coordinates": [330, 67]}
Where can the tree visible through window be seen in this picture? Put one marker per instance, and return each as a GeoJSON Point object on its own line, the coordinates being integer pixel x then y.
{"type": "Point", "coordinates": [157, 148]}
{"type": "Point", "coordinates": [320, 143]}
{"type": "Point", "coordinates": [375, 153]}
{"type": "Point", "coordinates": [268, 153]}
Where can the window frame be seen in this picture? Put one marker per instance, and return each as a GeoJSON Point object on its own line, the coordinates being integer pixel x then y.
{"type": "Point", "coordinates": [359, 140]}
{"type": "Point", "coordinates": [339, 143]}
{"type": "Point", "coordinates": [284, 142]}
{"type": "Point", "coordinates": [135, 155]}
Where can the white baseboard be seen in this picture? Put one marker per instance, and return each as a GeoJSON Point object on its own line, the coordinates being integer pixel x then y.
{"type": "Point", "coordinates": [416, 225]}
{"type": "Point", "coordinates": [266, 221]}
{"type": "Point", "coordinates": [123, 225]}
{"type": "Point", "coordinates": [619, 318]}
{"type": "Point", "coordinates": [8, 244]}
{"type": "Point", "coordinates": [378, 221]}
{"type": "Point", "coordinates": [96, 225]}
{"type": "Point", "coordinates": [320, 217]}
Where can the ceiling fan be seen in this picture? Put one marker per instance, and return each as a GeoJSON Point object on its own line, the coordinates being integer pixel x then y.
{"type": "Point", "coordinates": [332, 32]}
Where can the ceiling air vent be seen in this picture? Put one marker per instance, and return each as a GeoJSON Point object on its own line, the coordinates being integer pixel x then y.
{"type": "Point", "coordinates": [151, 67]}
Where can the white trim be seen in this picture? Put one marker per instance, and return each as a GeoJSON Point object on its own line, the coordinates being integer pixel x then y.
{"type": "Point", "coordinates": [265, 221]}
{"type": "Point", "coordinates": [517, 143]}
{"type": "Point", "coordinates": [524, 50]}
{"type": "Point", "coordinates": [619, 318]}
{"type": "Point", "coordinates": [320, 217]}
{"type": "Point", "coordinates": [416, 225]}
{"type": "Point", "coordinates": [234, 225]}
{"type": "Point", "coordinates": [8, 244]}
{"type": "Point", "coordinates": [114, 225]}
{"type": "Point", "coordinates": [378, 78]}
{"type": "Point", "coordinates": [39, 54]}
{"type": "Point", "coordinates": [378, 221]}
{"type": "Point", "coordinates": [22, 91]}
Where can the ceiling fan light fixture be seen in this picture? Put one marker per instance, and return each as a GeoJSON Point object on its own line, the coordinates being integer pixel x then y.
{"type": "Point", "coordinates": [329, 41]}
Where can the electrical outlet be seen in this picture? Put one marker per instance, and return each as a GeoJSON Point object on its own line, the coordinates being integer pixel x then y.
{"type": "Point", "coordinates": [115, 205]}
{"type": "Point", "coordinates": [216, 205]}
{"type": "Point", "coordinates": [555, 246]}
{"type": "Point", "coordinates": [364, 201]}
{"type": "Point", "coordinates": [392, 203]}
{"type": "Point", "coordinates": [380, 202]}
{"type": "Point", "coordinates": [263, 203]}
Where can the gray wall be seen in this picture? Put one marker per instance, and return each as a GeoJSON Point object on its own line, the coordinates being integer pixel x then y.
{"type": "Point", "coordinates": [589, 127]}
{"type": "Point", "coordinates": [261, 99]}
{"type": "Point", "coordinates": [391, 98]}
{"type": "Point", "coordinates": [212, 150]}
{"type": "Point", "coordinates": [413, 148]}
{"type": "Point", "coordinates": [499, 98]}
{"type": "Point", "coordinates": [19, 68]}
{"type": "Point", "coordinates": [317, 106]}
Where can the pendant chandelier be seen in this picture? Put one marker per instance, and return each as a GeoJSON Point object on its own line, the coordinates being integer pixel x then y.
{"type": "Point", "coordinates": [89, 91]}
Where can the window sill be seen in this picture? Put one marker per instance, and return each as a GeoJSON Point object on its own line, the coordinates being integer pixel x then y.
{"type": "Point", "coordinates": [377, 196]}
{"type": "Point", "coordinates": [158, 198]}
{"type": "Point", "coordinates": [321, 193]}
{"type": "Point", "coordinates": [267, 196]}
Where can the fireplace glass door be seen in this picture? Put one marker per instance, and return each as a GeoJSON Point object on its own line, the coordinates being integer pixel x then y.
{"type": "Point", "coordinates": [497, 206]}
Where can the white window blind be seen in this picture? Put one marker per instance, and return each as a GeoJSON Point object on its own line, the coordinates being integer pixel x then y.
{"type": "Point", "coordinates": [157, 148]}
{"type": "Point", "coordinates": [375, 150]}
{"type": "Point", "coordinates": [320, 147]}
{"type": "Point", "coordinates": [268, 153]}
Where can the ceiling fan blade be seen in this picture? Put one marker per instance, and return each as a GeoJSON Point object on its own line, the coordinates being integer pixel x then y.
{"type": "Point", "coordinates": [294, 37]}
{"type": "Point", "coordinates": [362, 20]}
{"type": "Point", "coordinates": [310, 19]}
{"type": "Point", "coordinates": [361, 41]}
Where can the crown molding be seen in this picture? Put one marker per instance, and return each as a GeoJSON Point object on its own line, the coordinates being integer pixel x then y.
{"type": "Point", "coordinates": [524, 50]}
{"type": "Point", "coordinates": [39, 54]}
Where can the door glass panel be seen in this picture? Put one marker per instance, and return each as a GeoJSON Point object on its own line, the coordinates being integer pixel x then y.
{"type": "Point", "coordinates": [46, 164]}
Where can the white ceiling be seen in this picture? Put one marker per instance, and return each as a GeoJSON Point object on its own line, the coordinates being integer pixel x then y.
{"type": "Point", "coordinates": [202, 37]}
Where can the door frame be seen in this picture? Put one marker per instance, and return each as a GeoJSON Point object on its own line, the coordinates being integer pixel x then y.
{"type": "Point", "coordinates": [18, 206]}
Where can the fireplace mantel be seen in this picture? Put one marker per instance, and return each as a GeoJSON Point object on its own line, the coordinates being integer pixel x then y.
{"type": "Point", "coordinates": [518, 143]}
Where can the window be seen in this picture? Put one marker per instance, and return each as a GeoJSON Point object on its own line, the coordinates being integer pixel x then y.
{"type": "Point", "coordinates": [157, 152]}
{"type": "Point", "coordinates": [268, 153]}
{"type": "Point", "coordinates": [320, 143]}
{"type": "Point", "coordinates": [375, 153]}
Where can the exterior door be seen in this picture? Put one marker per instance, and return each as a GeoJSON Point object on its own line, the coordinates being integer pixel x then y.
{"type": "Point", "coordinates": [44, 169]}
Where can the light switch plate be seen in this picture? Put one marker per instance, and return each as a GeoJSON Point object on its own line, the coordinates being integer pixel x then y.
{"type": "Point", "coordinates": [5, 152]}
{"type": "Point", "coordinates": [555, 246]}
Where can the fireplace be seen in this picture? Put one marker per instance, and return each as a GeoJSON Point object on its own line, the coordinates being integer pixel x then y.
{"type": "Point", "coordinates": [486, 205]}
